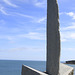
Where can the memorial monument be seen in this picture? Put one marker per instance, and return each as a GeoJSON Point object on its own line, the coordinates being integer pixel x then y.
{"type": "Point", "coordinates": [53, 66]}
{"type": "Point", "coordinates": [53, 38]}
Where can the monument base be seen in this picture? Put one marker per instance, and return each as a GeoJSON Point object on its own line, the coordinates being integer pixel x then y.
{"type": "Point", "coordinates": [30, 71]}
{"type": "Point", "coordinates": [64, 70]}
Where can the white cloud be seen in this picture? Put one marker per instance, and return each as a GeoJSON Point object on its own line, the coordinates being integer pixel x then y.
{"type": "Point", "coordinates": [41, 20]}
{"type": "Point", "coordinates": [9, 3]}
{"type": "Point", "coordinates": [3, 11]}
{"type": "Point", "coordinates": [34, 36]}
{"type": "Point", "coordinates": [40, 4]}
{"type": "Point", "coordinates": [27, 49]}
{"type": "Point", "coordinates": [7, 37]}
{"type": "Point", "coordinates": [30, 35]}
{"type": "Point", "coordinates": [24, 15]}
{"type": "Point", "coordinates": [16, 49]}
{"type": "Point", "coordinates": [61, 13]}
{"type": "Point", "coordinates": [69, 27]}
{"type": "Point", "coordinates": [68, 49]}
{"type": "Point", "coordinates": [33, 18]}
{"type": "Point", "coordinates": [37, 3]}
{"type": "Point", "coordinates": [72, 14]}
{"type": "Point", "coordinates": [63, 39]}
{"type": "Point", "coordinates": [72, 26]}
{"type": "Point", "coordinates": [67, 36]}
{"type": "Point", "coordinates": [72, 35]}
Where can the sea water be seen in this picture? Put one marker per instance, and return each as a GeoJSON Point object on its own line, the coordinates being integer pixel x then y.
{"type": "Point", "coordinates": [14, 67]}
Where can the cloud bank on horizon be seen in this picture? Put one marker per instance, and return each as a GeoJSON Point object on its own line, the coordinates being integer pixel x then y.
{"type": "Point", "coordinates": [23, 29]}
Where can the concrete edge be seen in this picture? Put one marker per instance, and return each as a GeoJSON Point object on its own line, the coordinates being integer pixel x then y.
{"type": "Point", "coordinates": [70, 71]}
{"type": "Point", "coordinates": [33, 70]}
{"type": "Point", "coordinates": [26, 70]}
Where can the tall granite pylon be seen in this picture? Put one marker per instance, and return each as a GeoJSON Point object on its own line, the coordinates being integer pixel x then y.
{"type": "Point", "coordinates": [53, 38]}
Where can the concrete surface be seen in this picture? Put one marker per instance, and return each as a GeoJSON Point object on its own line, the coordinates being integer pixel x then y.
{"type": "Point", "coordinates": [53, 38]}
{"type": "Point", "coordinates": [30, 71]}
{"type": "Point", "coordinates": [64, 70]}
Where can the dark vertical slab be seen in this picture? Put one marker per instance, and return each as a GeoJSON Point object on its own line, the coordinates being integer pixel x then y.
{"type": "Point", "coordinates": [53, 38]}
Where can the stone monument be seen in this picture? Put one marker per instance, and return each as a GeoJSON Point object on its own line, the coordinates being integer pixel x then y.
{"type": "Point", "coordinates": [53, 38]}
{"type": "Point", "coordinates": [53, 67]}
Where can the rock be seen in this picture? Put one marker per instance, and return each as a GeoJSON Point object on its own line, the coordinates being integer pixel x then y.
{"type": "Point", "coordinates": [53, 38]}
{"type": "Point", "coordinates": [70, 62]}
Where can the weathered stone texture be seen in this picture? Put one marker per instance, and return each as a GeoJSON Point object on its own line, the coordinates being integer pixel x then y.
{"type": "Point", "coordinates": [53, 38]}
{"type": "Point", "coordinates": [66, 70]}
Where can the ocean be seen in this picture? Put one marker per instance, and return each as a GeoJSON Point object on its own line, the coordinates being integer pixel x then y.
{"type": "Point", "coordinates": [14, 67]}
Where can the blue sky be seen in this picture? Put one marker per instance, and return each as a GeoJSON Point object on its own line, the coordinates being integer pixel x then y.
{"type": "Point", "coordinates": [23, 29]}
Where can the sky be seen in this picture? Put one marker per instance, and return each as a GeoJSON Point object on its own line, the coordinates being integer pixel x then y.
{"type": "Point", "coordinates": [23, 29]}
